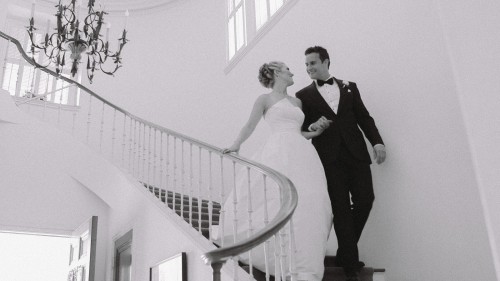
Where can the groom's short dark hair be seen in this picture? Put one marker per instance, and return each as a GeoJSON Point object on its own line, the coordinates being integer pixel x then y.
{"type": "Point", "coordinates": [322, 52]}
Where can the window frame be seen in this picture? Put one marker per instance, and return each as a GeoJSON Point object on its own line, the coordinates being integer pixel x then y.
{"type": "Point", "coordinates": [70, 95]}
{"type": "Point", "coordinates": [252, 33]}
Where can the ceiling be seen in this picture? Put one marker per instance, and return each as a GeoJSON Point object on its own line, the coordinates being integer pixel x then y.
{"type": "Point", "coordinates": [116, 6]}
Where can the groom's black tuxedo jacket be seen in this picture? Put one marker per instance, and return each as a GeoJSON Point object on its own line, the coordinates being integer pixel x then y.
{"type": "Point", "coordinates": [351, 112]}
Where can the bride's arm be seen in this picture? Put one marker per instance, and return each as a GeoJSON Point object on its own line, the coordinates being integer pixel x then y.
{"type": "Point", "coordinates": [309, 134]}
{"type": "Point", "coordinates": [249, 127]}
{"type": "Point", "coordinates": [312, 134]}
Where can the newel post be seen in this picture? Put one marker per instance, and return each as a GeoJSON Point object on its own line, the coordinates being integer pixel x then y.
{"type": "Point", "coordinates": [216, 270]}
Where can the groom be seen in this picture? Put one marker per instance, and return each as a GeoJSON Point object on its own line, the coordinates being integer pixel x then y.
{"type": "Point", "coordinates": [336, 105]}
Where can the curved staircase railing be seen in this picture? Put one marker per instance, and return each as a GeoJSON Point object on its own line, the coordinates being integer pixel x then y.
{"type": "Point", "coordinates": [186, 174]}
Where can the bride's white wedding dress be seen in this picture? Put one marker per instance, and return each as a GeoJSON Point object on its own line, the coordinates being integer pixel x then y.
{"type": "Point", "coordinates": [288, 152]}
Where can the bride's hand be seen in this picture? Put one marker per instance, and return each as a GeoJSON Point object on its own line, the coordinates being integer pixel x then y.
{"type": "Point", "coordinates": [233, 148]}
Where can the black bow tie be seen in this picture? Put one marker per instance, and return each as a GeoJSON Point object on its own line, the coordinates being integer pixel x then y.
{"type": "Point", "coordinates": [322, 82]}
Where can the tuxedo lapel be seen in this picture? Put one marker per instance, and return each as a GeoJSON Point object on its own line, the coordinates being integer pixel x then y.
{"type": "Point", "coordinates": [342, 98]}
{"type": "Point", "coordinates": [318, 100]}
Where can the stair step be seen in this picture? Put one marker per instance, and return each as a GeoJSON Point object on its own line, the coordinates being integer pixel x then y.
{"type": "Point", "coordinates": [194, 208]}
{"type": "Point", "coordinates": [338, 274]}
{"type": "Point", "coordinates": [204, 223]}
{"type": "Point", "coordinates": [185, 199]}
{"type": "Point", "coordinates": [195, 215]}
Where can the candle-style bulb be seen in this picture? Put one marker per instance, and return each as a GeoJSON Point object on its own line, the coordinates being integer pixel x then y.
{"type": "Point", "coordinates": [126, 18]}
{"type": "Point", "coordinates": [33, 8]}
{"type": "Point", "coordinates": [108, 26]}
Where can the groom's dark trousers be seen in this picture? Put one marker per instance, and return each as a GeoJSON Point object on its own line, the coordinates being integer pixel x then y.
{"type": "Point", "coordinates": [346, 161]}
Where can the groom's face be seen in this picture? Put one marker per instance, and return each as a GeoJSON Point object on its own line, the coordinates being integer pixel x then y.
{"type": "Point", "coordinates": [316, 68]}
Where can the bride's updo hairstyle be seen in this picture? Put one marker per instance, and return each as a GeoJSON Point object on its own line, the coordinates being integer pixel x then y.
{"type": "Point", "coordinates": [267, 71]}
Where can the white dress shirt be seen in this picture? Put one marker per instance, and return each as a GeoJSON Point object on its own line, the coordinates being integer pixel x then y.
{"type": "Point", "coordinates": [330, 93]}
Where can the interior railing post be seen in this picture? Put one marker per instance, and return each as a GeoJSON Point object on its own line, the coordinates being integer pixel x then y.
{"type": "Point", "coordinates": [216, 267]}
{"type": "Point", "coordinates": [154, 163]}
{"type": "Point", "coordinates": [183, 174]}
{"type": "Point", "coordinates": [191, 188]}
{"type": "Point", "coordinates": [222, 195]}
{"type": "Point", "coordinates": [210, 199]}
{"type": "Point", "coordinates": [150, 183]}
{"type": "Point", "coordinates": [101, 132]}
{"type": "Point", "coordinates": [89, 118]}
{"type": "Point", "coordinates": [124, 139]}
{"type": "Point", "coordinates": [113, 136]}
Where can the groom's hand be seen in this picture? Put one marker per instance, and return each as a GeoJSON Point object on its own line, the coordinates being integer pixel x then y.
{"type": "Point", "coordinates": [379, 153]}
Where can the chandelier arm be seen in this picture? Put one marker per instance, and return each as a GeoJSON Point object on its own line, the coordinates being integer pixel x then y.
{"type": "Point", "coordinates": [110, 72]}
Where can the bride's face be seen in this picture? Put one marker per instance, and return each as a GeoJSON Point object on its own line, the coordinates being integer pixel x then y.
{"type": "Point", "coordinates": [286, 75]}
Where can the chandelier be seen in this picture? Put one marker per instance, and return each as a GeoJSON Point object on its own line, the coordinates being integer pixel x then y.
{"type": "Point", "coordinates": [76, 37]}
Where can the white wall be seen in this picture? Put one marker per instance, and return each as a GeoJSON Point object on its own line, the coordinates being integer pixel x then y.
{"type": "Point", "coordinates": [407, 58]}
{"type": "Point", "coordinates": [472, 39]}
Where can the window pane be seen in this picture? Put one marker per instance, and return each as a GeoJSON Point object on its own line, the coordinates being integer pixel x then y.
{"type": "Point", "coordinates": [10, 78]}
{"type": "Point", "coordinates": [230, 6]}
{"type": "Point", "coordinates": [231, 39]}
{"type": "Point", "coordinates": [27, 81]}
{"type": "Point", "coordinates": [240, 29]}
{"type": "Point", "coordinates": [237, 2]}
{"type": "Point", "coordinates": [50, 84]}
{"type": "Point", "coordinates": [61, 96]}
{"type": "Point", "coordinates": [43, 83]}
{"type": "Point", "coordinates": [260, 12]}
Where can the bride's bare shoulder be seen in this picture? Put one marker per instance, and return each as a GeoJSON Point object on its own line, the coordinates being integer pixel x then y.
{"type": "Point", "coordinates": [296, 101]}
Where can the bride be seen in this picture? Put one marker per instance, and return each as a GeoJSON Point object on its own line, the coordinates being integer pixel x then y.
{"type": "Point", "coordinates": [289, 152]}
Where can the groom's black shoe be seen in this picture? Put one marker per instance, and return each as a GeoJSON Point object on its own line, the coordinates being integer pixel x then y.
{"type": "Point", "coordinates": [351, 275]}
{"type": "Point", "coordinates": [357, 266]}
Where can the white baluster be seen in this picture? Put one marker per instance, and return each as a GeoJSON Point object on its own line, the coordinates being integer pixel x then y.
{"type": "Point", "coordinates": [282, 234]}
{"type": "Point", "coordinates": [161, 163]}
{"type": "Point", "coordinates": [132, 156]}
{"type": "Point", "coordinates": [113, 136]}
{"type": "Point", "coordinates": [266, 222]}
{"type": "Point", "coordinates": [154, 163]}
{"type": "Point", "coordinates": [174, 189]}
{"type": "Point", "coordinates": [292, 249]}
{"type": "Point", "coordinates": [277, 257]}
{"type": "Point", "coordinates": [144, 153]}
{"type": "Point", "coordinates": [89, 118]}
{"type": "Point", "coordinates": [167, 169]}
{"type": "Point", "coordinates": [124, 139]}
{"type": "Point", "coordinates": [250, 224]}
{"type": "Point", "coordinates": [235, 204]}
{"type": "Point", "coordinates": [200, 182]}
{"type": "Point", "coordinates": [222, 195]}
{"type": "Point", "coordinates": [191, 191]}
{"type": "Point", "coordinates": [149, 158]}
{"type": "Point", "coordinates": [210, 187]}
{"type": "Point", "coordinates": [102, 127]}
{"type": "Point", "coordinates": [139, 151]}
{"type": "Point", "coordinates": [183, 174]}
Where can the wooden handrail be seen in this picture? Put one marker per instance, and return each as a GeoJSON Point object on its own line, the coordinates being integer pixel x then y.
{"type": "Point", "coordinates": [218, 256]}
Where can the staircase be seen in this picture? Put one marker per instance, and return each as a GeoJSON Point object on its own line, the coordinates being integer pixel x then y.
{"type": "Point", "coordinates": [182, 207]}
